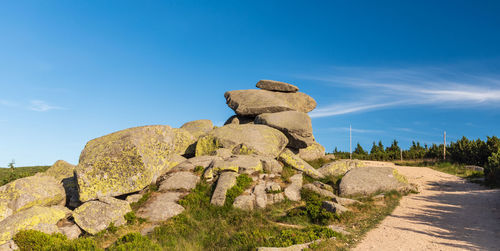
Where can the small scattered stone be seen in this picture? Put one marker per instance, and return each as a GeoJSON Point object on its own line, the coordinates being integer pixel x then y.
{"type": "Point", "coordinates": [225, 182]}
{"type": "Point", "coordinates": [161, 207]}
{"type": "Point", "coordinates": [245, 202]}
{"type": "Point", "coordinates": [334, 207]}
{"type": "Point", "coordinates": [72, 231]}
{"type": "Point", "coordinates": [292, 192]}
{"type": "Point", "coordinates": [322, 192]}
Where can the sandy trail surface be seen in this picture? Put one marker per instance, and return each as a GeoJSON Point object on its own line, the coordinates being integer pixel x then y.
{"type": "Point", "coordinates": [449, 213]}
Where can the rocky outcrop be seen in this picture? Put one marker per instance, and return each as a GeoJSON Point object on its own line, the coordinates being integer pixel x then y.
{"type": "Point", "coordinates": [161, 207]}
{"type": "Point", "coordinates": [255, 102]}
{"type": "Point", "coordinates": [128, 160]}
{"type": "Point", "coordinates": [198, 128]}
{"type": "Point", "coordinates": [272, 85]}
{"type": "Point", "coordinates": [37, 190]}
{"type": "Point", "coordinates": [333, 207]}
{"type": "Point", "coordinates": [36, 217]}
{"type": "Point", "coordinates": [320, 191]}
{"type": "Point", "coordinates": [289, 158]}
{"type": "Point", "coordinates": [225, 182]}
{"type": "Point", "coordinates": [95, 216]}
{"type": "Point", "coordinates": [368, 180]}
{"type": "Point", "coordinates": [61, 170]}
{"type": "Point", "coordinates": [257, 139]}
{"type": "Point", "coordinates": [295, 125]}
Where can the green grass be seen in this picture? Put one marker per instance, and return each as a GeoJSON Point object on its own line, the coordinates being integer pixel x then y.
{"type": "Point", "coordinates": [7, 175]}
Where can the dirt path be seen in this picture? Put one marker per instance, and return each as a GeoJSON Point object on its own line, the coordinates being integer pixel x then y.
{"type": "Point", "coordinates": [448, 214]}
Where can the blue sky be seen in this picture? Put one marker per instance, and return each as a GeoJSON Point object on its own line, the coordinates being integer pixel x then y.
{"type": "Point", "coordinates": [71, 71]}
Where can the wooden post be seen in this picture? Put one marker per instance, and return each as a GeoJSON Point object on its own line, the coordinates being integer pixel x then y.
{"type": "Point", "coordinates": [444, 146]}
{"type": "Point", "coordinates": [350, 142]}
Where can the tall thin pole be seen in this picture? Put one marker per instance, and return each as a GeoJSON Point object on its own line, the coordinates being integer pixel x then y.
{"type": "Point", "coordinates": [444, 146]}
{"type": "Point", "coordinates": [350, 142]}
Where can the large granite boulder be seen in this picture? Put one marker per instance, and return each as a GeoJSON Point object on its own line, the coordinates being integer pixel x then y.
{"type": "Point", "coordinates": [161, 207]}
{"type": "Point", "coordinates": [248, 164]}
{"type": "Point", "coordinates": [368, 180]}
{"type": "Point", "coordinates": [295, 125]}
{"type": "Point", "coordinates": [245, 139]}
{"type": "Point", "coordinates": [35, 217]}
{"type": "Point", "coordinates": [127, 161]}
{"type": "Point", "coordinates": [312, 152]}
{"type": "Point", "coordinates": [95, 216]}
{"type": "Point", "coordinates": [292, 191]}
{"type": "Point", "coordinates": [183, 180]}
{"type": "Point", "coordinates": [272, 85]}
{"type": "Point", "coordinates": [37, 190]}
{"type": "Point", "coordinates": [198, 128]}
{"type": "Point", "coordinates": [294, 161]}
{"type": "Point", "coordinates": [255, 102]}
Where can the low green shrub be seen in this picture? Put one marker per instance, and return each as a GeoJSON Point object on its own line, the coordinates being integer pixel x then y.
{"type": "Point", "coordinates": [36, 240]}
{"type": "Point", "coordinates": [243, 181]}
{"type": "Point", "coordinates": [134, 241]}
{"type": "Point", "coordinates": [492, 169]}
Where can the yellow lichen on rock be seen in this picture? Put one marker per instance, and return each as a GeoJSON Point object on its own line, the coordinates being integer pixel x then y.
{"type": "Point", "coordinates": [289, 158]}
{"type": "Point", "coordinates": [29, 219]}
{"type": "Point", "coordinates": [61, 170]}
{"type": "Point", "coordinates": [207, 145]}
{"type": "Point", "coordinates": [21, 194]}
{"type": "Point", "coordinates": [127, 161]}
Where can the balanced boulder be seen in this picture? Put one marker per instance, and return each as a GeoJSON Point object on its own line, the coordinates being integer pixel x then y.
{"type": "Point", "coordinates": [95, 216]}
{"type": "Point", "coordinates": [198, 128]}
{"type": "Point", "coordinates": [257, 139]}
{"type": "Point", "coordinates": [127, 161]}
{"type": "Point", "coordinates": [255, 102]}
{"type": "Point", "coordinates": [64, 172]}
{"type": "Point", "coordinates": [295, 125]}
{"type": "Point", "coordinates": [272, 85]}
{"type": "Point", "coordinates": [37, 190]}
{"type": "Point", "coordinates": [239, 120]}
{"type": "Point", "coordinates": [368, 180]}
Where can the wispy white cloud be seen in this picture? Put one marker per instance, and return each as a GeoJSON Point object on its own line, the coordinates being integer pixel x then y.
{"type": "Point", "coordinates": [42, 106]}
{"type": "Point", "coordinates": [382, 88]}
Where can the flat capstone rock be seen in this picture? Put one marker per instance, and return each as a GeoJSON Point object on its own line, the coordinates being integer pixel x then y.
{"type": "Point", "coordinates": [272, 85]}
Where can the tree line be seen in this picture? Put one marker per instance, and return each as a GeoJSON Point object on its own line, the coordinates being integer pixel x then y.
{"type": "Point", "coordinates": [484, 153]}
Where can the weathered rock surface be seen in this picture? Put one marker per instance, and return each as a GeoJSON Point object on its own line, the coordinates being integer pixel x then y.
{"type": "Point", "coordinates": [198, 128]}
{"type": "Point", "coordinates": [334, 207]}
{"type": "Point", "coordinates": [273, 198]}
{"type": "Point", "coordinates": [292, 192]}
{"type": "Point", "coordinates": [30, 219]}
{"type": "Point", "coordinates": [312, 152]}
{"type": "Point", "coordinates": [223, 153]}
{"type": "Point", "coordinates": [134, 198]}
{"type": "Point", "coordinates": [271, 165]}
{"type": "Point", "coordinates": [37, 190]}
{"type": "Point", "coordinates": [127, 161]}
{"type": "Point", "coordinates": [289, 158]}
{"type": "Point", "coordinates": [255, 102]}
{"type": "Point", "coordinates": [239, 120]}
{"type": "Point", "coordinates": [71, 231]}
{"type": "Point", "coordinates": [339, 167]}
{"type": "Point", "coordinates": [295, 125]}
{"type": "Point", "coordinates": [272, 85]}
{"type": "Point", "coordinates": [245, 202]}
{"type": "Point", "coordinates": [95, 216]}
{"type": "Point", "coordinates": [190, 164]}
{"type": "Point", "coordinates": [225, 182]}
{"type": "Point", "coordinates": [9, 246]}
{"type": "Point", "coordinates": [260, 194]}
{"type": "Point", "coordinates": [322, 192]}
{"type": "Point", "coordinates": [257, 139]}
{"type": "Point", "coordinates": [185, 181]}
{"type": "Point", "coordinates": [61, 170]}
{"type": "Point", "coordinates": [368, 180]}
{"type": "Point", "coordinates": [161, 207]}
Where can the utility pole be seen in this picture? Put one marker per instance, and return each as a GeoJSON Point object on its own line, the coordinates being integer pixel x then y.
{"type": "Point", "coordinates": [350, 142]}
{"type": "Point", "coordinates": [444, 146]}
{"type": "Point", "coordinates": [401, 149]}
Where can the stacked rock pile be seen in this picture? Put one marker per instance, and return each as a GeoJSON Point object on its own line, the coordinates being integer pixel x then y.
{"type": "Point", "coordinates": [271, 128]}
